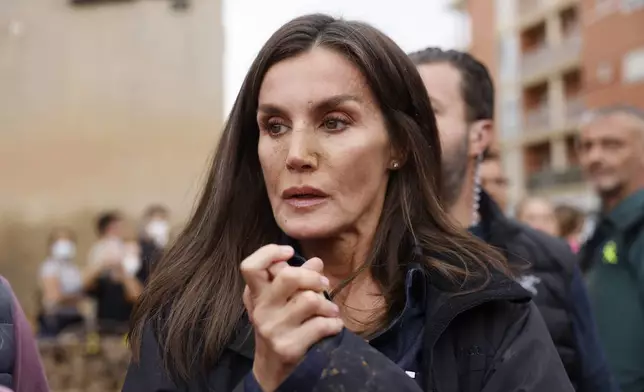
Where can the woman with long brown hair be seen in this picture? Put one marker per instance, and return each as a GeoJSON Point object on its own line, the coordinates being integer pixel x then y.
{"type": "Point", "coordinates": [319, 256]}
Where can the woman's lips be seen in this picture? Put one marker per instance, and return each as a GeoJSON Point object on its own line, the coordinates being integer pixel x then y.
{"type": "Point", "coordinates": [305, 201]}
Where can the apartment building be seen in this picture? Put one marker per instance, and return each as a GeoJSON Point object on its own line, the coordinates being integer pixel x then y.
{"type": "Point", "coordinates": [553, 60]}
{"type": "Point", "coordinates": [104, 104]}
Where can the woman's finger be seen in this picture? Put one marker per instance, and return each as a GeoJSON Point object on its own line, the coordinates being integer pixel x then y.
{"type": "Point", "coordinates": [314, 264]}
{"type": "Point", "coordinates": [299, 308]}
{"type": "Point", "coordinates": [293, 279]}
{"type": "Point", "coordinates": [248, 303]}
{"type": "Point", "coordinates": [275, 269]}
{"type": "Point", "coordinates": [293, 346]}
{"type": "Point", "coordinates": [307, 304]}
{"type": "Point", "coordinates": [254, 268]}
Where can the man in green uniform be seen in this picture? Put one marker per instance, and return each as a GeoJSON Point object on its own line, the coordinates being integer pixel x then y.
{"type": "Point", "coordinates": [611, 153]}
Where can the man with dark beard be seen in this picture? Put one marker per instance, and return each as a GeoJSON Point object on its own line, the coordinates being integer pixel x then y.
{"type": "Point", "coordinates": [462, 96]}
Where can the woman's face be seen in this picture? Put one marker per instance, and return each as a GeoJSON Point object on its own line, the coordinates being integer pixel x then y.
{"type": "Point", "coordinates": [323, 147]}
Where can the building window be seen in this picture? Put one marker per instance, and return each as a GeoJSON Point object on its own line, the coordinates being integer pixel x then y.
{"type": "Point", "coordinates": [633, 66]}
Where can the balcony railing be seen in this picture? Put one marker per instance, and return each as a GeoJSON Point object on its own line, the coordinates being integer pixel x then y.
{"type": "Point", "coordinates": [550, 177]}
{"type": "Point", "coordinates": [535, 60]}
{"type": "Point", "coordinates": [545, 58]}
{"type": "Point", "coordinates": [529, 7]}
{"type": "Point", "coordinates": [537, 118]}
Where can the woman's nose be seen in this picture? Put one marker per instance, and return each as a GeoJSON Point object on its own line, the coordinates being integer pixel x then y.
{"type": "Point", "coordinates": [302, 154]}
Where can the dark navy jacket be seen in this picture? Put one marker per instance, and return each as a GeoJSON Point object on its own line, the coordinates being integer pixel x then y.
{"type": "Point", "coordinates": [490, 340]}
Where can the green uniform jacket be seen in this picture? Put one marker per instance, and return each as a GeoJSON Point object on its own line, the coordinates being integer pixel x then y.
{"type": "Point", "coordinates": [614, 261]}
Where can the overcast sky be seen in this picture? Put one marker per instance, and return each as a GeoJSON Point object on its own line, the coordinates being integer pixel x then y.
{"type": "Point", "coordinates": [413, 24]}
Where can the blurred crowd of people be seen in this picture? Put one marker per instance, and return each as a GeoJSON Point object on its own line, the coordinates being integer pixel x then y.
{"type": "Point", "coordinates": [85, 302]}
{"type": "Point", "coordinates": [99, 291]}
{"type": "Point", "coordinates": [566, 221]}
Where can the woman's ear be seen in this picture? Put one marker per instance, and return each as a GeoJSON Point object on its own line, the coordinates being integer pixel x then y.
{"type": "Point", "coordinates": [397, 159]}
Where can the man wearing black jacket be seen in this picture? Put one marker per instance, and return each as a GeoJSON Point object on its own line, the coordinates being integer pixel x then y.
{"type": "Point", "coordinates": [462, 96]}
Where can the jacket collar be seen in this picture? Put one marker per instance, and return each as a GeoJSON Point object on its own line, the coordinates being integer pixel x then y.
{"type": "Point", "coordinates": [445, 307]}
{"type": "Point", "coordinates": [628, 212]}
{"type": "Point", "coordinates": [500, 229]}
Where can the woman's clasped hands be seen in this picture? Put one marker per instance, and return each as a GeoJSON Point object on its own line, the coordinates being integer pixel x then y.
{"type": "Point", "coordinates": [288, 311]}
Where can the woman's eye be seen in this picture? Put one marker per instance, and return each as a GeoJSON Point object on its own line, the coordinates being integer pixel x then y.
{"type": "Point", "coordinates": [334, 124]}
{"type": "Point", "coordinates": [275, 128]}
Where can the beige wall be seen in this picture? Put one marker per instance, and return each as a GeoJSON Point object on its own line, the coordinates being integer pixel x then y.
{"type": "Point", "coordinates": [108, 106]}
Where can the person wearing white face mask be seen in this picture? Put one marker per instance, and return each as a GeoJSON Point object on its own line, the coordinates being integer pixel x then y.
{"type": "Point", "coordinates": [155, 236]}
{"type": "Point", "coordinates": [61, 285]}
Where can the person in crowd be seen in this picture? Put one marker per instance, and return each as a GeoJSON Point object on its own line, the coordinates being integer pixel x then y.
{"type": "Point", "coordinates": [319, 256]}
{"type": "Point", "coordinates": [109, 279]}
{"type": "Point", "coordinates": [611, 154]}
{"type": "Point", "coordinates": [61, 285]}
{"type": "Point", "coordinates": [21, 369]}
{"type": "Point", "coordinates": [462, 94]}
{"type": "Point", "coordinates": [155, 235]}
{"type": "Point", "coordinates": [493, 179]}
{"type": "Point", "coordinates": [538, 213]}
{"type": "Point", "coordinates": [571, 221]}
{"type": "Point", "coordinates": [109, 227]}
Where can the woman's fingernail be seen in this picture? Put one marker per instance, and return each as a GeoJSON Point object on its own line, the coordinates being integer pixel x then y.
{"type": "Point", "coordinates": [325, 281]}
{"type": "Point", "coordinates": [336, 309]}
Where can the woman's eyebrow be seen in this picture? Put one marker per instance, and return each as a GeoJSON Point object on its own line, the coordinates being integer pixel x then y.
{"type": "Point", "coordinates": [331, 103]}
{"type": "Point", "coordinates": [324, 105]}
{"type": "Point", "coordinates": [270, 109]}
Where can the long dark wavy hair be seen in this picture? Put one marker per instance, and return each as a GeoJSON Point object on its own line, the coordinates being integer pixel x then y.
{"type": "Point", "coordinates": [193, 301]}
